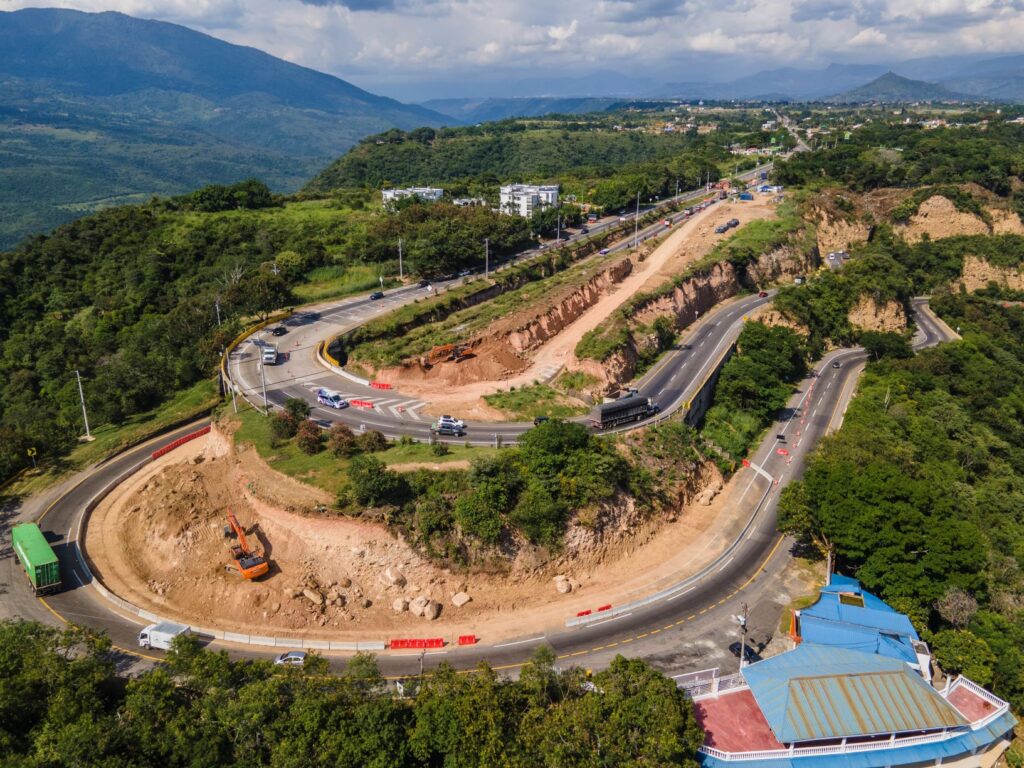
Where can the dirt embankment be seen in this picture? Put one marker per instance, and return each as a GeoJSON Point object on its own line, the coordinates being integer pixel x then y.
{"type": "Point", "coordinates": [937, 217]}
{"type": "Point", "coordinates": [978, 273]}
{"type": "Point", "coordinates": [689, 301]}
{"type": "Point", "coordinates": [158, 542]}
{"type": "Point", "coordinates": [869, 316]}
{"type": "Point", "coordinates": [840, 234]}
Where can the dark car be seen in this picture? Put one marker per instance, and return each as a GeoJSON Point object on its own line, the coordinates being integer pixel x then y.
{"type": "Point", "coordinates": [424, 283]}
{"type": "Point", "coordinates": [538, 420]}
{"type": "Point", "coordinates": [721, 229]}
{"type": "Point", "coordinates": [376, 295]}
{"type": "Point", "coordinates": [762, 294]}
{"type": "Point", "coordinates": [278, 331]}
{"type": "Point", "coordinates": [584, 231]}
{"type": "Point", "coordinates": [837, 364]}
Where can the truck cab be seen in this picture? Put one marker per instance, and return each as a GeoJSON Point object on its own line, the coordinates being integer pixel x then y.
{"type": "Point", "coordinates": [270, 355]}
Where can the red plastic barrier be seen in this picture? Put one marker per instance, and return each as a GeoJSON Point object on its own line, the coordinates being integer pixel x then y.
{"type": "Point", "coordinates": [179, 442]}
{"type": "Point", "coordinates": [746, 462]}
{"type": "Point", "coordinates": [585, 613]}
{"type": "Point", "coordinates": [467, 639]}
{"type": "Point", "coordinates": [605, 607]}
{"type": "Point", "coordinates": [380, 385]}
{"type": "Point", "coordinates": [782, 452]}
{"type": "Point", "coordinates": [417, 642]}
{"type": "Point", "coordinates": [361, 403]}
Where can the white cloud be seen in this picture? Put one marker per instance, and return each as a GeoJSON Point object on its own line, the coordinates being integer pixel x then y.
{"type": "Point", "coordinates": [397, 41]}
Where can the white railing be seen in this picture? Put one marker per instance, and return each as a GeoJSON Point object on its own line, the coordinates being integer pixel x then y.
{"type": "Point", "coordinates": [707, 689]}
{"type": "Point", "coordinates": [834, 749]}
{"type": "Point", "coordinates": [1001, 707]}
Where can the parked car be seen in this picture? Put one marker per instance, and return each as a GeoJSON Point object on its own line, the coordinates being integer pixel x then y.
{"type": "Point", "coordinates": [734, 222]}
{"type": "Point", "coordinates": [376, 295]}
{"type": "Point", "coordinates": [291, 659]}
{"type": "Point", "coordinates": [278, 331]}
{"type": "Point", "coordinates": [538, 420]}
{"type": "Point", "coordinates": [464, 272]}
{"type": "Point", "coordinates": [331, 399]}
{"type": "Point", "coordinates": [721, 229]}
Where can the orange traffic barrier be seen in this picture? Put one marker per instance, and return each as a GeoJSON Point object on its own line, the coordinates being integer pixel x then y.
{"type": "Point", "coordinates": [380, 385]}
{"type": "Point", "coordinates": [361, 403]}
{"type": "Point", "coordinates": [585, 613]}
{"type": "Point", "coordinates": [467, 639]}
{"type": "Point", "coordinates": [605, 607]}
{"type": "Point", "coordinates": [179, 442]}
{"type": "Point", "coordinates": [417, 643]}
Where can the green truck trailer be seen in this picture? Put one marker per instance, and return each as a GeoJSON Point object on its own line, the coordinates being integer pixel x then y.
{"type": "Point", "coordinates": [37, 558]}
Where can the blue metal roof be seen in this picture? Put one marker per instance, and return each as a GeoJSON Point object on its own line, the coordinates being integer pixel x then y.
{"type": "Point", "coordinates": [824, 692]}
{"type": "Point", "coordinates": [917, 754]}
{"type": "Point", "coordinates": [825, 632]}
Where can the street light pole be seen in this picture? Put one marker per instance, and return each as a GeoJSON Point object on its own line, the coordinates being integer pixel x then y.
{"type": "Point", "coordinates": [81, 396]}
{"type": "Point", "coordinates": [263, 378]}
{"type": "Point", "coordinates": [401, 275]}
{"type": "Point", "coordinates": [558, 229]}
{"type": "Point", "coordinates": [216, 303]}
{"type": "Point", "coordinates": [487, 257]}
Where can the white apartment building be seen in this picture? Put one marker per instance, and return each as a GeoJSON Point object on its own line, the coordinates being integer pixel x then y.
{"type": "Point", "coordinates": [423, 193]}
{"type": "Point", "coordinates": [524, 199]}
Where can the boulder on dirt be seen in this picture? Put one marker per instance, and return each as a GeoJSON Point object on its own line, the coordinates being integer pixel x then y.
{"type": "Point", "coordinates": [419, 605]}
{"type": "Point", "coordinates": [562, 585]}
{"type": "Point", "coordinates": [332, 596]}
{"type": "Point", "coordinates": [459, 599]}
{"type": "Point", "coordinates": [313, 596]}
{"type": "Point", "coordinates": [400, 604]}
{"type": "Point", "coordinates": [345, 582]}
{"type": "Point", "coordinates": [293, 592]}
{"type": "Point", "coordinates": [394, 577]}
{"type": "Point", "coordinates": [706, 496]}
{"type": "Point", "coordinates": [432, 610]}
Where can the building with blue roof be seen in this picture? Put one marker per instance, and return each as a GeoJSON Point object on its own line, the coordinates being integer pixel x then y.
{"type": "Point", "coordinates": [853, 693]}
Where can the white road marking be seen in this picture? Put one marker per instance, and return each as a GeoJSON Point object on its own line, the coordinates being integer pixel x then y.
{"type": "Point", "coordinates": [680, 594]}
{"type": "Point", "coordinates": [521, 642]}
{"type": "Point", "coordinates": [726, 563]}
{"type": "Point", "coordinates": [613, 618]}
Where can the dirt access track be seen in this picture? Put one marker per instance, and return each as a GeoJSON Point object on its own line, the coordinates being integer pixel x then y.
{"type": "Point", "coordinates": [538, 343]}
{"type": "Point", "coordinates": [157, 541]}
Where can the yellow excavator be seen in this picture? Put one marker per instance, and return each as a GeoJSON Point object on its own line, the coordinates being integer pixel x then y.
{"type": "Point", "coordinates": [445, 353]}
{"type": "Point", "coordinates": [249, 563]}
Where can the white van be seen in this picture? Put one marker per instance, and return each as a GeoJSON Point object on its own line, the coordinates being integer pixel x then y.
{"type": "Point", "coordinates": [270, 355]}
{"type": "Point", "coordinates": [160, 635]}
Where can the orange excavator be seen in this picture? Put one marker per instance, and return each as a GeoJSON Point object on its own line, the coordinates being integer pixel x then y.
{"type": "Point", "coordinates": [250, 563]}
{"type": "Point", "coordinates": [445, 353]}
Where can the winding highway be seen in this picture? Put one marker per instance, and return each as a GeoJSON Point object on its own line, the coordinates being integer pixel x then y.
{"type": "Point", "coordinates": [653, 625]}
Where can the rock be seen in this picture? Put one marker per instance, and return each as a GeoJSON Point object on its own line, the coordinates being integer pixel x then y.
{"type": "Point", "coordinates": [418, 606]}
{"type": "Point", "coordinates": [358, 552]}
{"type": "Point", "coordinates": [459, 599]}
{"type": "Point", "coordinates": [275, 607]}
{"type": "Point", "coordinates": [563, 586]}
{"type": "Point", "coordinates": [293, 592]}
{"type": "Point", "coordinates": [413, 588]}
{"type": "Point", "coordinates": [313, 596]}
{"type": "Point", "coordinates": [366, 602]}
{"type": "Point", "coordinates": [332, 596]}
{"type": "Point", "coordinates": [401, 604]}
{"type": "Point", "coordinates": [706, 496]}
{"type": "Point", "coordinates": [394, 577]}
{"type": "Point", "coordinates": [432, 610]}
{"type": "Point", "coordinates": [345, 583]}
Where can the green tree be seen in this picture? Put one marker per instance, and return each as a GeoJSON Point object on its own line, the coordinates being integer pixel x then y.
{"type": "Point", "coordinates": [960, 652]}
{"type": "Point", "coordinates": [309, 437]}
{"type": "Point", "coordinates": [375, 485]}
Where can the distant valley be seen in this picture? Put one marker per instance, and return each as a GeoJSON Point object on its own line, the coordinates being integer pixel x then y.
{"type": "Point", "coordinates": [99, 109]}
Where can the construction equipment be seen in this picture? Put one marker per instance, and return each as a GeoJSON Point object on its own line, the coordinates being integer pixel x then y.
{"type": "Point", "coordinates": [250, 563]}
{"type": "Point", "coordinates": [445, 353]}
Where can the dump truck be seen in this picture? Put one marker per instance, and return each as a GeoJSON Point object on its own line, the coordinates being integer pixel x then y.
{"type": "Point", "coordinates": [249, 563]}
{"type": "Point", "coordinates": [161, 635]}
{"type": "Point", "coordinates": [623, 411]}
{"type": "Point", "coordinates": [37, 558]}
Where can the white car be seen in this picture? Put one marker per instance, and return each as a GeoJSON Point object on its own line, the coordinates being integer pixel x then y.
{"type": "Point", "coordinates": [331, 399]}
{"type": "Point", "coordinates": [291, 659]}
{"type": "Point", "coordinates": [451, 421]}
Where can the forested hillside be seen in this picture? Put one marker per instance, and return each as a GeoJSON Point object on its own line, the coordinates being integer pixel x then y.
{"type": "Point", "coordinates": [102, 109]}
{"type": "Point", "coordinates": [62, 704]}
{"type": "Point", "coordinates": [129, 296]}
{"type": "Point", "coordinates": [921, 492]}
{"type": "Point", "coordinates": [602, 159]}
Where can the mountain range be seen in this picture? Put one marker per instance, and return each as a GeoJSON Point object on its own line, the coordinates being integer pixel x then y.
{"type": "Point", "coordinates": [104, 108]}
{"type": "Point", "coordinates": [892, 88]}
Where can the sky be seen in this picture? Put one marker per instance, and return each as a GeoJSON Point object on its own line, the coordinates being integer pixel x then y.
{"type": "Point", "coordinates": [420, 49]}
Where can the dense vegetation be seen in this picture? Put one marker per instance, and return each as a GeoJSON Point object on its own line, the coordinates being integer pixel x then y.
{"type": "Point", "coordinates": [753, 386]}
{"type": "Point", "coordinates": [891, 154]}
{"type": "Point", "coordinates": [591, 156]}
{"type": "Point", "coordinates": [129, 297]}
{"type": "Point", "coordinates": [62, 705]}
{"type": "Point", "coordinates": [920, 493]}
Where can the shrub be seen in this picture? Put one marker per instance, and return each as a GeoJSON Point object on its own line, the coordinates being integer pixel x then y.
{"type": "Point", "coordinates": [299, 409]}
{"type": "Point", "coordinates": [283, 425]}
{"type": "Point", "coordinates": [341, 441]}
{"type": "Point", "coordinates": [309, 437]}
{"type": "Point", "coordinates": [372, 442]}
{"type": "Point", "coordinates": [374, 484]}
{"type": "Point", "coordinates": [440, 449]}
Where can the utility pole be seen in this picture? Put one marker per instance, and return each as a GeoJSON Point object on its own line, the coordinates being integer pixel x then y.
{"type": "Point", "coordinates": [636, 223]}
{"type": "Point", "coordinates": [742, 619]}
{"type": "Point", "coordinates": [81, 396]}
{"type": "Point", "coordinates": [487, 257]}
{"type": "Point", "coordinates": [558, 229]}
{"type": "Point", "coordinates": [263, 378]}
{"type": "Point", "coordinates": [401, 274]}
